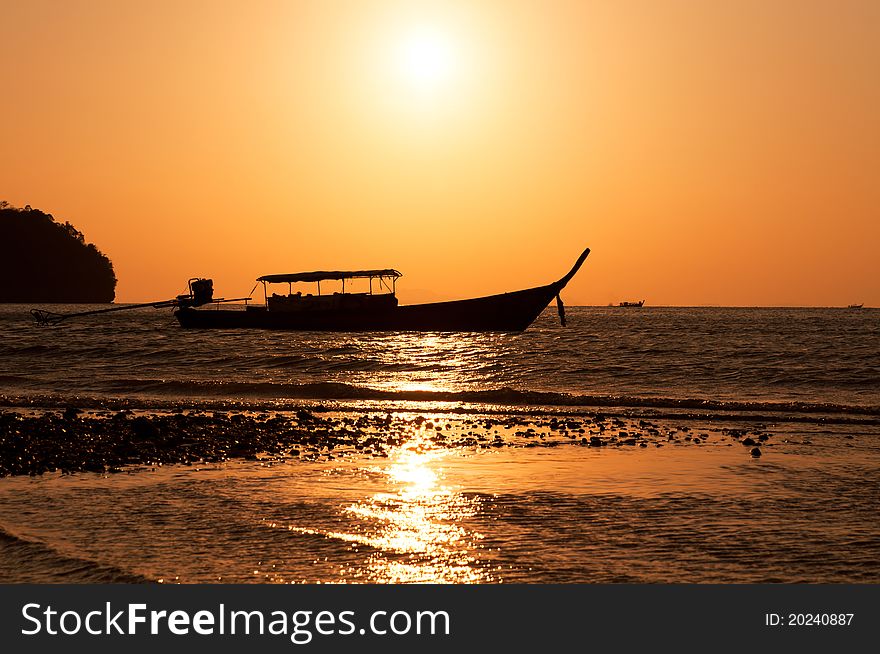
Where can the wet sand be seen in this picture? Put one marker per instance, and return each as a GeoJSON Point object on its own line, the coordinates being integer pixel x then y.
{"type": "Point", "coordinates": [357, 495]}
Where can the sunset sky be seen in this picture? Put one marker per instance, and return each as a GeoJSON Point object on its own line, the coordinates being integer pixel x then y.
{"type": "Point", "coordinates": [707, 152]}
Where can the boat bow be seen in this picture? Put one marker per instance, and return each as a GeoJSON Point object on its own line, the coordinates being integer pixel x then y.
{"type": "Point", "coordinates": [571, 273]}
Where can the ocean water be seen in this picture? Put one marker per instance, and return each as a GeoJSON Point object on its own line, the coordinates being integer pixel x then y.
{"type": "Point", "coordinates": [701, 357]}
{"type": "Point", "coordinates": [674, 511]}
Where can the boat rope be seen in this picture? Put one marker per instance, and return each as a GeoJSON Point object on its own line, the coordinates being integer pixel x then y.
{"type": "Point", "coordinates": [561, 308]}
{"type": "Point", "coordinates": [43, 317]}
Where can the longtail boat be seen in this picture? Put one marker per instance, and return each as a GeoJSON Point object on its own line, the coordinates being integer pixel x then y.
{"type": "Point", "coordinates": [375, 310]}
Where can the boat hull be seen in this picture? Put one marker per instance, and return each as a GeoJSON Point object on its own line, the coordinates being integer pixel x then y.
{"type": "Point", "coordinates": [507, 312]}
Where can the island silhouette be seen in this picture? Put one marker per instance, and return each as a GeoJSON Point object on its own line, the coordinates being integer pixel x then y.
{"type": "Point", "coordinates": [47, 261]}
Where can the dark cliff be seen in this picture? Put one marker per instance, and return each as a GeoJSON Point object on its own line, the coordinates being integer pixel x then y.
{"type": "Point", "coordinates": [45, 261]}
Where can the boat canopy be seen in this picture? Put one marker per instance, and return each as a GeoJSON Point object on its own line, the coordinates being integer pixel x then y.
{"type": "Point", "coordinates": [321, 275]}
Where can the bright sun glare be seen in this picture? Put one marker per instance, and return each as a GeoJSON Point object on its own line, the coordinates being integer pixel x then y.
{"type": "Point", "coordinates": [427, 59]}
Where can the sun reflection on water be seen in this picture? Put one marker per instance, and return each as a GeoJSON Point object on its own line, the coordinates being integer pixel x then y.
{"type": "Point", "coordinates": [432, 363]}
{"type": "Point", "coordinates": [414, 530]}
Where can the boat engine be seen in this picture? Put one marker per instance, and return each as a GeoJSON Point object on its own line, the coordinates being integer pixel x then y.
{"type": "Point", "coordinates": [201, 291]}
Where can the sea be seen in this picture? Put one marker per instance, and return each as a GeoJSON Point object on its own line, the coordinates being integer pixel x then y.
{"type": "Point", "coordinates": [805, 510]}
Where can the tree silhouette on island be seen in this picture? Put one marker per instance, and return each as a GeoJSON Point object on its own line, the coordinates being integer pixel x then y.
{"type": "Point", "coordinates": [45, 261]}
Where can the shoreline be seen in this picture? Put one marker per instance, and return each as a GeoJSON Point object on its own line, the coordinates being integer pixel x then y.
{"type": "Point", "coordinates": [208, 393]}
{"type": "Point", "coordinates": [766, 413]}
{"type": "Point", "coordinates": [418, 496]}
{"type": "Point", "coordinates": [104, 441]}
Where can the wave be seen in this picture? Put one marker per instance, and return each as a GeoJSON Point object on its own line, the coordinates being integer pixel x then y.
{"type": "Point", "coordinates": [24, 560]}
{"type": "Point", "coordinates": [187, 391]}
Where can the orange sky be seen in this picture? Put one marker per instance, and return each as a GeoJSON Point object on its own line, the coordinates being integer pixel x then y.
{"type": "Point", "coordinates": [708, 152]}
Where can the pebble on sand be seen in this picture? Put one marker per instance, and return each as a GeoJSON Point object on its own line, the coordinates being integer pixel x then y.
{"type": "Point", "coordinates": [71, 439]}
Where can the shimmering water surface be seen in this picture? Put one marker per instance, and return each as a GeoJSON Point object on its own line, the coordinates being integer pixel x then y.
{"type": "Point", "coordinates": [649, 355]}
{"type": "Point", "coordinates": [804, 511]}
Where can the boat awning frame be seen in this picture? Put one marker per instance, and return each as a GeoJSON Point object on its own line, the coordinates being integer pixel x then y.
{"type": "Point", "coordinates": [321, 275]}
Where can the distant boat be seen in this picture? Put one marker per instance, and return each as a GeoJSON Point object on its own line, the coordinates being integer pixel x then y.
{"type": "Point", "coordinates": [632, 304]}
{"type": "Point", "coordinates": [379, 311]}
{"type": "Point", "coordinates": [855, 306]}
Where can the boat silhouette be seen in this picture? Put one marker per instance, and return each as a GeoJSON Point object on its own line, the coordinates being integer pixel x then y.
{"type": "Point", "coordinates": [376, 311]}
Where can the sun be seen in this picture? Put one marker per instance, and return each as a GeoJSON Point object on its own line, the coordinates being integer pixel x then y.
{"type": "Point", "coordinates": [427, 59]}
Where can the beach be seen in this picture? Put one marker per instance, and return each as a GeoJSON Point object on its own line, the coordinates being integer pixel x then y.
{"type": "Point", "coordinates": [351, 496]}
